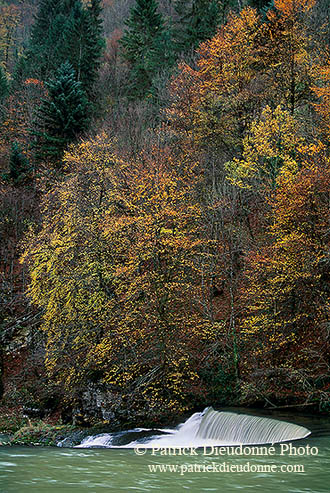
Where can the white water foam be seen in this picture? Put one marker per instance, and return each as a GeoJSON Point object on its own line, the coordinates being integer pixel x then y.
{"type": "Point", "coordinates": [210, 428]}
{"type": "Point", "coordinates": [102, 440]}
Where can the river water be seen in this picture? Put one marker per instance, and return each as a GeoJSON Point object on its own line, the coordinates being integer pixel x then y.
{"type": "Point", "coordinates": [213, 469]}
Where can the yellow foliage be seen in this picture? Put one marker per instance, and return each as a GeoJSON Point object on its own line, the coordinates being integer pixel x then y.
{"type": "Point", "coordinates": [270, 150]}
{"type": "Point", "coordinates": [116, 269]}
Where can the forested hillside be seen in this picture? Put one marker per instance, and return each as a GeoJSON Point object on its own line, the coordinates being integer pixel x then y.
{"type": "Point", "coordinates": [164, 206]}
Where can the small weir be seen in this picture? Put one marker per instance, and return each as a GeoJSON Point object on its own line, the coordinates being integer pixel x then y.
{"type": "Point", "coordinates": [207, 428]}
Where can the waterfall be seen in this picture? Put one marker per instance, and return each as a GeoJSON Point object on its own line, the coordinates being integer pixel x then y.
{"type": "Point", "coordinates": [208, 428]}
{"type": "Point", "coordinates": [247, 430]}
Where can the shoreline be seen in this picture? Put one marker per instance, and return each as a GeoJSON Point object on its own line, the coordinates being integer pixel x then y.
{"type": "Point", "coordinates": [40, 433]}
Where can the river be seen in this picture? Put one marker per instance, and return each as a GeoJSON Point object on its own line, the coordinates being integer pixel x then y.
{"type": "Point", "coordinates": [63, 470]}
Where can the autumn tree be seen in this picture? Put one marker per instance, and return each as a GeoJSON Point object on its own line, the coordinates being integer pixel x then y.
{"type": "Point", "coordinates": [289, 52]}
{"type": "Point", "coordinates": [213, 104]}
{"type": "Point", "coordinates": [118, 273]}
{"type": "Point", "coordinates": [321, 89]}
{"type": "Point", "coordinates": [271, 148]}
{"type": "Point", "coordinates": [284, 296]}
{"type": "Point", "coordinates": [250, 63]}
{"type": "Point", "coordinates": [287, 286]}
{"type": "Point", "coordinates": [9, 20]}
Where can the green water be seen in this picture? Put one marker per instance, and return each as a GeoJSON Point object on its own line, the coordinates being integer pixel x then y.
{"type": "Point", "coordinates": [43, 470]}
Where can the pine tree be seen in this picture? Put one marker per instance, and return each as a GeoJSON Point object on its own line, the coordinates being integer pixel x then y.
{"type": "Point", "coordinates": [63, 116]}
{"type": "Point", "coordinates": [197, 21]}
{"type": "Point", "coordinates": [144, 47]}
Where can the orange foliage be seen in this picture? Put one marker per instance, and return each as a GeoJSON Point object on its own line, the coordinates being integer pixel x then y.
{"type": "Point", "coordinates": [213, 103]}
{"type": "Point", "coordinates": [323, 93]}
{"type": "Point", "coordinates": [120, 267]}
{"type": "Point", "coordinates": [289, 52]}
{"type": "Point", "coordinates": [291, 8]}
{"type": "Point", "coordinates": [294, 263]}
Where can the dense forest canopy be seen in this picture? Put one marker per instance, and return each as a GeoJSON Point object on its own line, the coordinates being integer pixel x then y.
{"type": "Point", "coordinates": [164, 198]}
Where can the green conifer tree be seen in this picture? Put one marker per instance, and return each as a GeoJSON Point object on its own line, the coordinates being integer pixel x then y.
{"type": "Point", "coordinates": [43, 53]}
{"type": "Point", "coordinates": [62, 117]}
{"type": "Point", "coordinates": [145, 47]}
{"type": "Point", "coordinates": [262, 5]}
{"type": "Point", "coordinates": [18, 165]}
{"type": "Point", "coordinates": [95, 43]}
{"type": "Point", "coordinates": [83, 42]}
{"type": "Point", "coordinates": [197, 21]}
{"type": "Point", "coordinates": [64, 30]}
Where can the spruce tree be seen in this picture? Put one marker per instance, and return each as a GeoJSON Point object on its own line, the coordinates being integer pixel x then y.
{"type": "Point", "coordinates": [18, 164]}
{"type": "Point", "coordinates": [197, 21]}
{"type": "Point", "coordinates": [43, 54]}
{"type": "Point", "coordinates": [83, 42]}
{"type": "Point", "coordinates": [64, 30]}
{"type": "Point", "coordinates": [95, 43]}
{"type": "Point", "coordinates": [62, 117]}
{"type": "Point", "coordinates": [144, 47]}
{"type": "Point", "coordinates": [262, 5]}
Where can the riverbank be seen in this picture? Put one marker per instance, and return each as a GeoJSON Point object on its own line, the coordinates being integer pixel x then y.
{"type": "Point", "coordinates": [21, 430]}
{"type": "Point", "coordinates": [42, 434]}
{"type": "Point", "coordinates": [18, 429]}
